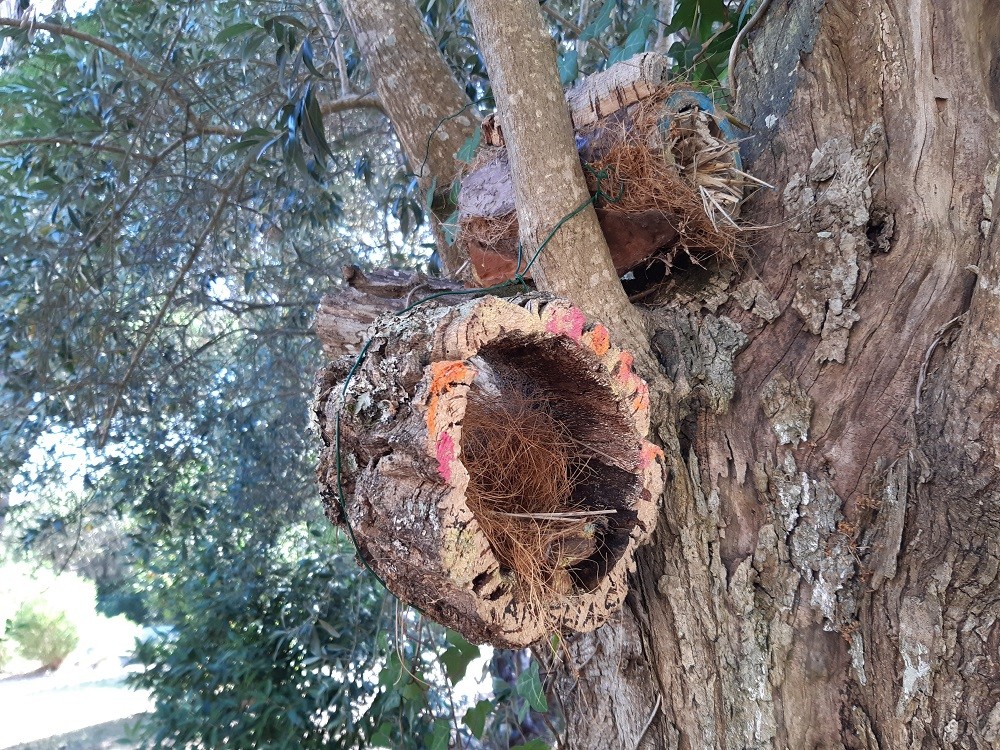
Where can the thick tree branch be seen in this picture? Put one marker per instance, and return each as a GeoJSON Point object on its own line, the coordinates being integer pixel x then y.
{"type": "Point", "coordinates": [353, 101]}
{"type": "Point", "coordinates": [549, 185]}
{"type": "Point", "coordinates": [429, 110]}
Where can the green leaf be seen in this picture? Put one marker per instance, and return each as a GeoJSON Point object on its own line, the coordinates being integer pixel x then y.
{"type": "Point", "coordinates": [475, 718]}
{"type": "Point", "coordinates": [250, 47]}
{"type": "Point", "coordinates": [382, 736]}
{"type": "Point", "coordinates": [404, 219]}
{"type": "Point", "coordinates": [322, 623]}
{"type": "Point", "coordinates": [13, 31]}
{"type": "Point", "coordinates": [468, 149]}
{"type": "Point", "coordinates": [257, 134]}
{"type": "Point", "coordinates": [636, 40]}
{"type": "Point", "coordinates": [392, 672]}
{"type": "Point", "coordinates": [457, 658]}
{"type": "Point", "coordinates": [450, 227]}
{"type": "Point", "coordinates": [270, 143]}
{"type": "Point", "coordinates": [307, 58]}
{"type": "Point", "coordinates": [535, 744]}
{"type": "Point", "coordinates": [412, 692]}
{"type": "Point", "coordinates": [237, 29]}
{"type": "Point", "coordinates": [311, 120]}
{"type": "Point", "coordinates": [429, 198]}
{"type": "Point", "coordinates": [569, 67]}
{"type": "Point", "coordinates": [698, 16]}
{"type": "Point", "coordinates": [596, 27]}
{"type": "Point", "coordinates": [440, 736]}
{"type": "Point", "coordinates": [529, 687]}
{"type": "Point", "coordinates": [290, 20]}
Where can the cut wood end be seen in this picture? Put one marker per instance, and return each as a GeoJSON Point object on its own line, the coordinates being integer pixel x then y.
{"type": "Point", "coordinates": [505, 493]}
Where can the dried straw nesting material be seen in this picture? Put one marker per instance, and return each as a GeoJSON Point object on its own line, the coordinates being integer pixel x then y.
{"type": "Point", "coordinates": [669, 173]}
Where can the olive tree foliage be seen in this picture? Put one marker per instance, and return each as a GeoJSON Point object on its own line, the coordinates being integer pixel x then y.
{"type": "Point", "coordinates": [168, 228]}
{"type": "Point", "coordinates": [180, 184]}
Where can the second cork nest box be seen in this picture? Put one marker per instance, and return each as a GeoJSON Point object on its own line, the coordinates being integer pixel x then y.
{"type": "Point", "coordinates": [493, 465]}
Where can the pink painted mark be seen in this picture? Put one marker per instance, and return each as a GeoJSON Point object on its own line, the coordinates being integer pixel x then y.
{"type": "Point", "coordinates": [648, 453]}
{"type": "Point", "coordinates": [625, 361]}
{"type": "Point", "coordinates": [568, 322]}
{"type": "Point", "coordinates": [445, 455]}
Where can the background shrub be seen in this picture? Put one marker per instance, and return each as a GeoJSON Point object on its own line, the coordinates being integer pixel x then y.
{"type": "Point", "coordinates": [278, 646]}
{"type": "Point", "coordinates": [43, 633]}
{"type": "Point", "coordinates": [5, 651]}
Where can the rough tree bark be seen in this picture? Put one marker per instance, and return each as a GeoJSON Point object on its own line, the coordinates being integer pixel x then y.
{"type": "Point", "coordinates": [825, 570]}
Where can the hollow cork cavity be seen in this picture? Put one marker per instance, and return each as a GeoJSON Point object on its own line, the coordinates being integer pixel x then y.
{"type": "Point", "coordinates": [551, 481]}
{"type": "Point", "coordinates": [495, 471]}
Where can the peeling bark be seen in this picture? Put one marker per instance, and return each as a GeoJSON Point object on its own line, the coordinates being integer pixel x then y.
{"type": "Point", "coordinates": [826, 568]}
{"type": "Point", "coordinates": [826, 572]}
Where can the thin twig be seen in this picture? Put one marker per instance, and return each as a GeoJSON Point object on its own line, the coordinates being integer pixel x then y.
{"type": "Point", "coordinates": [56, 140]}
{"type": "Point", "coordinates": [565, 22]}
{"type": "Point", "coordinates": [649, 721]}
{"type": "Point", "coordinates": [559, 516]}
{"type": "Point", "coordinates": [154, 326]}
{"type": "Point", "coordinates": [354, 101]}
{"type": "Point", "coordinates": [738, 42]}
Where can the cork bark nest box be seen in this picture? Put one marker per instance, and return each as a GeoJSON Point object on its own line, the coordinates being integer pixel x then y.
{"type": "Point", "coordinates": [493, 465]}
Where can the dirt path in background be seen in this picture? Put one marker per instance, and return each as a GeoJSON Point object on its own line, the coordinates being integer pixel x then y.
{"type": "Point", "coordinates": [66, 703]}
{"type": "Point", "coordinates": [107, 736]}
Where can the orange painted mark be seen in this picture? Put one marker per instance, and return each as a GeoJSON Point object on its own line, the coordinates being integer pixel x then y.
{"type": "Point", "coordinates": [445, 375]}
{"type": "Point", "coordinates": [641, 400]}
{"type": "Point", "coordinates": [568, 322]}
{"type": "Point", "coordinates": [600, 340]}
{"type": "Point", "coordinates": [648, 453]}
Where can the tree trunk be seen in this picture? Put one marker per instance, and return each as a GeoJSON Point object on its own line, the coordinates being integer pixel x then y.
{"type": "Point", "coordinates": [430, 112]}
{"type": "Point", "coordinates": [826, 571]}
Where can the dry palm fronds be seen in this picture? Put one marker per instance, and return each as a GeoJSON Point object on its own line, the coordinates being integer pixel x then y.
{"type": "Point", "coordinates": [646, 159]}
{"type": "Point", "coordinates": [682, 167]}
